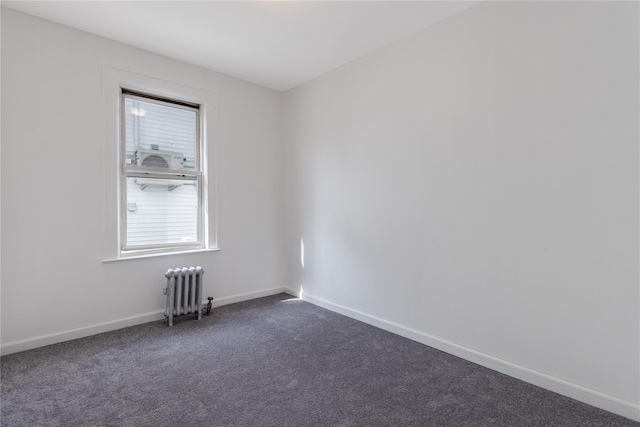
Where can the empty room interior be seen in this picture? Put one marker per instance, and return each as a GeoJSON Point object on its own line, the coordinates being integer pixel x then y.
{"type": "Point", "coordinates": [406, 213]}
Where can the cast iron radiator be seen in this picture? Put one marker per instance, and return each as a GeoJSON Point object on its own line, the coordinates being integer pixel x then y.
{"type": "Point", "coordinates": [184, 292]}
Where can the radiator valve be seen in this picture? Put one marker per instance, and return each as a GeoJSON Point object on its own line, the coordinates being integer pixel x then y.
{"type": "Point", "coordinates": [209, 306]}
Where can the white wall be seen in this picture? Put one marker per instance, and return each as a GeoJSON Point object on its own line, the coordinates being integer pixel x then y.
{"type": "Point", "coordinates": [54, 283]}
{"type": "Point", "coordinates": [475, 187]}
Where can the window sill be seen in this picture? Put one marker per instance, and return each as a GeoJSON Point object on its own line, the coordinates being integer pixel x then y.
{"type": "Point", "coordinates": [153, 255]}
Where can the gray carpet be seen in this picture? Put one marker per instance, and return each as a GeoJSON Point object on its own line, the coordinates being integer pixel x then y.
{"type": "Point", "coordinates": [274, 361]}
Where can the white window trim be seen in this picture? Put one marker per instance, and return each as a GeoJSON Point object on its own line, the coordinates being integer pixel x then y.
{"type": "Point", "coordinates": [113, 81]}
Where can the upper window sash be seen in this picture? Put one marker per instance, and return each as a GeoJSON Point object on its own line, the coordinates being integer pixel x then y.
{"type": "Point", "coordinates": [148, 98]}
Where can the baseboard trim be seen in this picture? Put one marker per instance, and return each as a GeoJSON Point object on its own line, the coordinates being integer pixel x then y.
{"type": "Point", "coordinates": [218, 302]}
{"type": "Point", "coordinates": [71, 334]}
{"type": "Point", "coordinates": [44, 340]}
{"type": "Point", "coordinates": [557, 385]}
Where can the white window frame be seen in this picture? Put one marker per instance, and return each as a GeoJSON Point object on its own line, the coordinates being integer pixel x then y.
{"type": "Point", "coordinates": [134, 171]}
{"type": "Point", "coordinates": [115, 170]}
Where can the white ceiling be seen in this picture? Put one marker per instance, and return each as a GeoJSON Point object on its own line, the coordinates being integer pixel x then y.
{"type": "Point", "coordinates": [278, 44]}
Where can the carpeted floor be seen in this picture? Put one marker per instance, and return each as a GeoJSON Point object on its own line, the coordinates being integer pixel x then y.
{"type": "Point", "coordinates": [274, 361]}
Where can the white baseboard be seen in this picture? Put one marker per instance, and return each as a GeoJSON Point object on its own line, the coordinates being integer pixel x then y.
{"type": "Point", "coordinates": [43, 340]}
{"type": "Point", "coordinates": [250, 295]}
{"type": "Point", "coordinates": [592, 397]}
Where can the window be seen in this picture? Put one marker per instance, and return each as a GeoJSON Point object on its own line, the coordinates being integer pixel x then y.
{"type": "Point", "coordinates": [159, 158]}
{"type": "Point", "coordinates": [161, 185]}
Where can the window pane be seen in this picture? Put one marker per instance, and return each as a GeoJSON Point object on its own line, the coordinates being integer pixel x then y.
{"type": "Point", "coordinates": [161, 211]}
{"type": "Point", "coordinates": [150, 126]}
